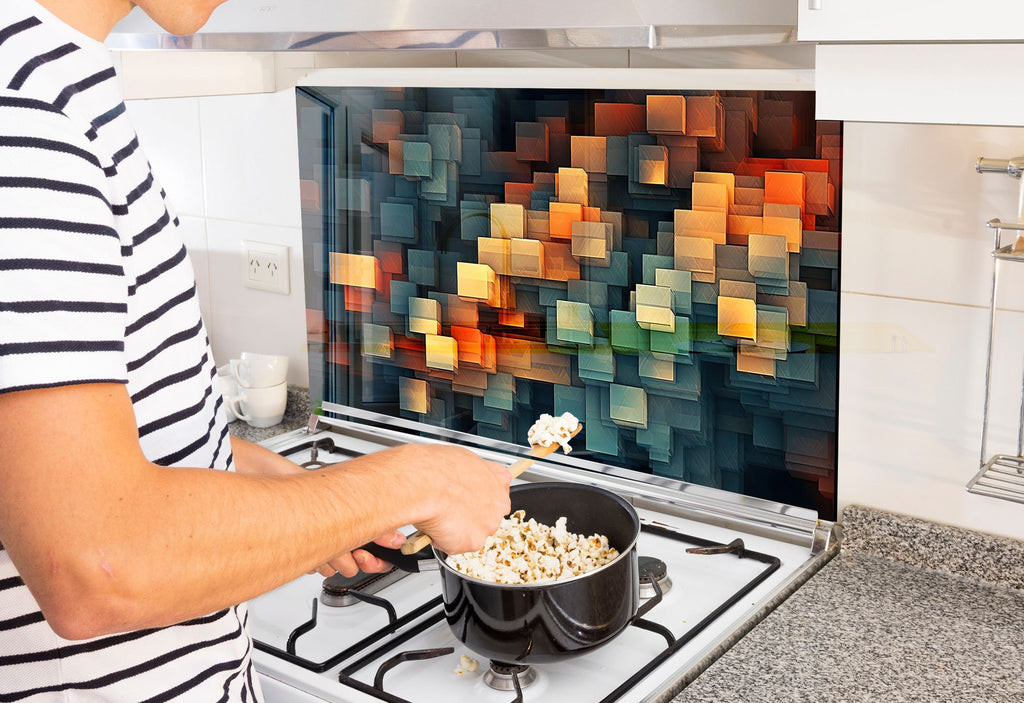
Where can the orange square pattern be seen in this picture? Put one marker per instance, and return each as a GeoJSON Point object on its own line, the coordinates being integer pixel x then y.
{"type": "Point", "coordinates": [358, 270]}
{"type": "Point", "coordinates": [618, 119]}
{"type": "Point", "coordinates": [785, 187]}
{"type": "Point", "coordinates": [561, 216]}
{"type": "Point", "coordinates": [666, 114]}
{"type": "Point", "coordinates": [737, 317]}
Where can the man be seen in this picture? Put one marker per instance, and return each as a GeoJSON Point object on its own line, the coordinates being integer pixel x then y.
{"type": "Point", "coordinates": [124, 555]}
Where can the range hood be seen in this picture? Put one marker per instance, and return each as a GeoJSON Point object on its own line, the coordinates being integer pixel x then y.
{"type": "Point", "coordinates": [390, 25]}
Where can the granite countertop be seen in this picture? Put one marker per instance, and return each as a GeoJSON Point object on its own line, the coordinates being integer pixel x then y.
{"type": "Point", "coordinates": [296, 415]}
{"type": "Point", "coordinates": [907, 611]}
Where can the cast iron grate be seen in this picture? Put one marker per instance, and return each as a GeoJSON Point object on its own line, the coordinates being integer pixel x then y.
{"type": "Point", "coordinates": [434, 613]}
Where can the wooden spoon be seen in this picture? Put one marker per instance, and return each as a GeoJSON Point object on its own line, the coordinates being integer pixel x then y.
{"type": "Point", "coordinates": [418, 540]}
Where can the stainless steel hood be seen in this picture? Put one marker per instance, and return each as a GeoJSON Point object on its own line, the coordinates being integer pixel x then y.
{"type": "Point", "coordinates": [463, 25]}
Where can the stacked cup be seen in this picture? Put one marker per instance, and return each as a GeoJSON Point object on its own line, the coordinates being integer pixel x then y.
{"type": "Point", "coordinates": [262, 390]}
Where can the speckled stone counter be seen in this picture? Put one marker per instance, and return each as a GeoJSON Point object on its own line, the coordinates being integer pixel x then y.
{"type": "Point", "coordinates": [908, 611]}
{"type": "Point", "coordinates": [296, 414]}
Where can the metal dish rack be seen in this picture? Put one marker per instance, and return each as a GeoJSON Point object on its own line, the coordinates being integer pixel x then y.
{"type": "Point", "coordinates": [1001, 475]}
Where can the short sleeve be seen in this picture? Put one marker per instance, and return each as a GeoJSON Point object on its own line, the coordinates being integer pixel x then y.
{"type": "Point", "coordinates": [63, 290]}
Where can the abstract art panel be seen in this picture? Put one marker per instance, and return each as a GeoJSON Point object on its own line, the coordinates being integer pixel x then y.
{"type": "Point", "coordinates": [662, 264]}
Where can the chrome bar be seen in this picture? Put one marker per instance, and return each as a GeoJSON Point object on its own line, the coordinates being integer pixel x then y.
{"type": "Point", "coordinates": [1012, 167]}
{"type": "Point", "coordinates": [638, 37]}
{"type": "Point", "coordinates": [997, 224]}
{"type": "Point", "coordinates": [988, 355]}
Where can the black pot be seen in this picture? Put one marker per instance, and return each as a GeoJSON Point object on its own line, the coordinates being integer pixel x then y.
{"type": "Point", "coordinates": [537, 623]}
{"type": "Point", "coordinates": [544, 622]}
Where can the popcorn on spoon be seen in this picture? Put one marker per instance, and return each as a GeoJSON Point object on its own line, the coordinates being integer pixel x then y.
{"type": "Point", "coordinates": [545, 437]}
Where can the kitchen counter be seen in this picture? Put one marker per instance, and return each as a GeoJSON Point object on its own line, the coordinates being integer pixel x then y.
{"type": "Point", "coordinates": [907, 611]}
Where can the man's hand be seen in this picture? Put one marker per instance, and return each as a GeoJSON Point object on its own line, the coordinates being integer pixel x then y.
{"type": "Point", "coordinates": [464, 496]}
{"type": "Point", "coordinates": [351, 563]}
{"type": "Point", "coordinates": [467, 496]}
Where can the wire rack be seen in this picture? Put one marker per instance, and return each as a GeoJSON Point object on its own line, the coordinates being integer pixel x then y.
{"type": "Point", "coordinates": [1000, 475]}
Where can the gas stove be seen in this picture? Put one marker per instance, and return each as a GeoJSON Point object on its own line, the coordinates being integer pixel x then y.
{"type": "Point", "coordinates": [712, 565]}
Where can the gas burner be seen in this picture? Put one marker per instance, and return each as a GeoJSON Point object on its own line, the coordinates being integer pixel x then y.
{"type": "Point", "coordinates": [653, 567]}
{"type": "Point", "coordinates": [314, 463]}
{"type": "Point", "coordinates": [340, 591]}
{"type": "Point", "coordinates": [501, 676]}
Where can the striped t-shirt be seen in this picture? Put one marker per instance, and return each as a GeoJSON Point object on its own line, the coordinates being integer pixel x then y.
{"type": "Point", "coordinates": [95, 286]}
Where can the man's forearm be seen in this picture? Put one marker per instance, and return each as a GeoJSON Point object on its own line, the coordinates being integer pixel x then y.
{"type": "Point", "coordinates": [107, 541]}
{"type": "Point", "coordinates": [252, 459]}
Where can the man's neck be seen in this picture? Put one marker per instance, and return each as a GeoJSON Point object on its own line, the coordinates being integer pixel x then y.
{"type": "Point", "coordinates": [94, 18]}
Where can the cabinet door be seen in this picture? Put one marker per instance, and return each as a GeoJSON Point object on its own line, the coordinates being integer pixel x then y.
{"type": "Point", "coordinates": [910, 20]}
{"type": "Point", "coordinates": [963, 83]}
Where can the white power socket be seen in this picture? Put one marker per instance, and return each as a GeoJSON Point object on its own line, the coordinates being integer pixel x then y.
{"type": "Point", "coordinates": [265, 267]}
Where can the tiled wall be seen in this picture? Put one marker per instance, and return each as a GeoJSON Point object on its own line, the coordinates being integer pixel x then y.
{"type": "Point", "coordinates": [914, 318]}
{"type": "Point", "coordinates": [230, 166]}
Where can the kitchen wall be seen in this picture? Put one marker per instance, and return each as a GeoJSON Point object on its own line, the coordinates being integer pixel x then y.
{"type": "Point", "coordinates": [916, 277]}
{"type": "Point", "coordinates": [229, 165]}
{"type": "Point", "coordinates": [916, 281]}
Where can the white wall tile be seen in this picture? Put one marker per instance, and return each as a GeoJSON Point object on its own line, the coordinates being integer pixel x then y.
{"type": "Point", "coordinates": [779, 56]}
{"type": "Point", "coordinates": [250, 157]}
{"type": "Point", "coordinates": [193, 232]}
{"type": "Point", "coordinates": [292, 68]}
{"type": "Point", "coordinates": [168, 130]}
{"type": "Point", "coordinates": [911, 391]}
{"type": "Point", "coordinates": [549, 58]}
{"type": "Point", "coordinates": [928, 83]}
{"type": "Point", "coordinates": [168, 74]}
{"type": "Point", "coordinates": [245, 319]}
{"type": "Point", "coordinates": [914, 210]}
{"type": "Point", "coordinates": [427, 58]}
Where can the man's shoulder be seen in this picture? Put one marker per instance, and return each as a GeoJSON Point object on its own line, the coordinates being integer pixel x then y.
{"type": "Point", "coordinates": [43, 68]}
{"type": "Point", "coordinates": [32, 126]}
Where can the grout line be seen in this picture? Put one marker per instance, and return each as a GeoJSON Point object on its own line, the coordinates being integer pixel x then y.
{"type": "Point", "coordinates": [925, 300]}
{"type": "Point", "coordinates": [253, 222]}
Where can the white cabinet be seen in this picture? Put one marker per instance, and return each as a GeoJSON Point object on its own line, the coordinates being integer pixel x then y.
{"type": "Point", "coordinates": [966, 83]}
{"type": "Point", "coordinates": [910, 20]}
{"type": "Point", "coordinates": [934, 61]}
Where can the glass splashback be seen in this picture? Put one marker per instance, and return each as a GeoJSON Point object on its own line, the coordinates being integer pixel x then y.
{"type": "Point", "coordinates": [662, 264]}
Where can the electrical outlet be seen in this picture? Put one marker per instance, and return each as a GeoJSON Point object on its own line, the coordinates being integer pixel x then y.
{"type": "Point", "coordinates": [265, 267]}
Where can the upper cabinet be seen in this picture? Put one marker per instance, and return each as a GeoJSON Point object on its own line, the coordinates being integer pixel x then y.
{"type": "Point", "coordinates": [910, 20]}
{"type": "Point", "coordinates": [934, 62]}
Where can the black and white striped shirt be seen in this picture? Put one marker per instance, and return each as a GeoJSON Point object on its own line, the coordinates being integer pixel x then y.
{"type": "Point", "coordinates": [95, 286]}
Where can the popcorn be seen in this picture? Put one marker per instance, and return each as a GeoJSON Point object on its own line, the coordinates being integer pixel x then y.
{"type": "Point", "coordinates": [525, 551]}
{"type": "Point", "coordinates": [467, 665]}
{"type": "Point", "coordinates": [553, 430]}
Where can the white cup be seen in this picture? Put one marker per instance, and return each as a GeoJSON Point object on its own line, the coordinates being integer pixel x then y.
{"type": "Point", "coordinates": [260, 407]}
{"type": "Point", "coordinates": [228, 387]}
{"type": "Point", "coordinates": [259, 370]}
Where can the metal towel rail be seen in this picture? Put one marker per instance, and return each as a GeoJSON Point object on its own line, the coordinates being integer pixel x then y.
{"type": "Point", "coordinates": [1001, 475]}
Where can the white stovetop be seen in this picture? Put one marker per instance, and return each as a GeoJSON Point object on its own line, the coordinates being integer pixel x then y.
{"type": "Point", "coordinates": [700, 584]}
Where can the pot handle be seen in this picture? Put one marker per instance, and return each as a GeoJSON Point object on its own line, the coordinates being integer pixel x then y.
{"type": "Point", "coordinates": [649, 604]}
{"type": "Point", "coordinates": [414, 563]}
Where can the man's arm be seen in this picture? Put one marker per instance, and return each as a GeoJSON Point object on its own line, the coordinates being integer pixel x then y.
{"type": "Point", "coordinates": [250, 458]}
{"type": "Point", "coordinates": [107, 541]}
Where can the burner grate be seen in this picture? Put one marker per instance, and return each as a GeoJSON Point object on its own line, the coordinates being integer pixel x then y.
{"type": "Point", "coordinates": [321, 667]}
{"type": "Point", "coordinates": [432, 613]}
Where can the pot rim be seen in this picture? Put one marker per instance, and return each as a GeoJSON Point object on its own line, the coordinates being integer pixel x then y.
{"type": "Point", "coordinates": [441, 556]}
